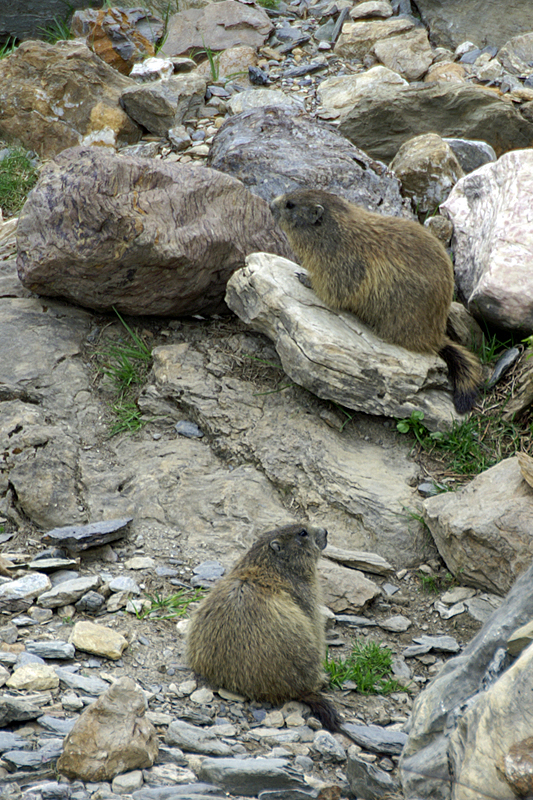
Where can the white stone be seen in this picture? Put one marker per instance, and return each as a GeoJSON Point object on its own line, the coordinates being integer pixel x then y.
{"type": "Point", "coordinates": [202, 696]}
{"type": "Point", "coordinates": [25, 588]}
{"type": "Point", "coordinates": [33, 677]}
{"type": "Point", "coordinates": [127, 782]}
{"type": "Point", "coordinates": [340, 95]}
{"type": "Point", "coordinates": [493, 239]}
{"type": "Point", "coordinates": [140, 562]}
{"type": "Point", "coordinates": [98, 639]}
{"type": "Point", "coordinates": [254, 98]}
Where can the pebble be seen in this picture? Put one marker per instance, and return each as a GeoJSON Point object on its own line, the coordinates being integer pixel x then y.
{"type": "Point", "coordinates": [33, 677]}
{"type": "Point", "coordinates": [25, 588]}
{"type": "Point", "coordinates": [445, 644]}
{"type": "Point", "coordinates": [91, 686]}
{"type": "Point", "coordinates": [195, 740]}
{"type": "Point", "coordinates": [124, 584]}
{"type": "Point", "coordinates": [328, 747]}
{"type": "Point", "coordinates": [396, 624]}
{"type": "Point", "coordinates": [202, 696]}
{"type": "Point", "coordinates": [127, 782]}
{"type": "Point", "coordinates": [68, 592]}
{"type": "Point", "coordinates": [140, 562]}
{"type": "Point", "coordinates": [377, 739]}
{"type": "Point", "coordinates": [184, 428]}
{"type": "Point", "coordinates": [98, 639]}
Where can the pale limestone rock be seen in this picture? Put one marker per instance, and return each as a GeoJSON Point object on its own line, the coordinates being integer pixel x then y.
{"type": "Point", "coordinates": [517, 54]}
{"type": "Point", "coordinates": [21, 592]}
{"type": "Point", "coordinates": [372, 8]}
{"type": "Point", "coordinates": [161, 105]}
{"type": "Point", "coordinates": [428, 169]}
{"type": "Point", "coordinates": [452, 72]}
{"type": "Point", "coordinates": [337, 95]}
{"type": "Point", "coordinates": [358, 38]}
{"type": "Point", "coordinates": [127, 782]}
{"type": "Point", "coordinates": [68, 592]}
{"type": "Point", "coordinates": [33, 677]}
{"type": "Point", "coordinates": [409, 53]}
{"type": "Point", "coordinates": [4, 675]}
{"type": "Point", "coordinates": [256, 98]}
{"type": "Point", "coordinates": [498, 720]}
{"type": "Point", "coordinates": [493, 239]}
{"type": "Point", "coordinates": [98, 639]}
{"type": "Point", "coordinates": [345, 590]}
{"type": "Point", "coordinates": [368, 562]}
{"type": "Point", "coordinates": [331, 353]}
{"type": "Point", "coordinates": [140, 562]}
{"type": "Point", "coordinates": [483, 531]}
{"type": "Point", "coordinates": [111, 737]}
{"type": "Point", "coordinates": [231, 61]}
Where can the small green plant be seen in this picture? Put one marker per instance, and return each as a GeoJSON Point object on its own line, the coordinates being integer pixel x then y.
{"type": "Point", "coordinates": [268, 3]}
{"type": "Point", "coordinates": [369, 666]}
{"type": "Point", "coordinates": [415, 425]}
{"type": "Point", "coordinates": [126, 365]}
{"type": "Point", "coordinates": [435, 583]}
{"type": "Point", "coordinates": [17, 176]}
{"type": "Point", "coordinates": [9, 46]}
{"type": "Point", "coordinates": [491, 347]}
{"type": "Point", "coordinates": [175, 605]}
{"type": "Point", "coordinates": [56, 31]}
{"type": "Point", "coordinates": [214, 60]}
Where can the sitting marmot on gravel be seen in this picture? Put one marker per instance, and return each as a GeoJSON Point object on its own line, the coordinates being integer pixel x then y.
{"type": "Point", "coordinates": [259, 632]}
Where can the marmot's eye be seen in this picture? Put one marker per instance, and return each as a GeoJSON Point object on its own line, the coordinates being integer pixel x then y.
{"type": "Point", "coordinates": [303, 533]}
{"type": "Point", "coordinates": [289, 204]}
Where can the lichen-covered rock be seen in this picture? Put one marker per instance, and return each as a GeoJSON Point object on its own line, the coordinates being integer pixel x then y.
{"type": "Point", "coordinates": [143, 236]}
{"type": "Point", "coordinates": [493, 240]}
{"type": "Point", "coordinates": [58, 96]}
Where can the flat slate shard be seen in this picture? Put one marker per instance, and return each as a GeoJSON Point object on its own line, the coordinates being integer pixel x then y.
{"type": "Point", "coordinates": [376, 739]}
{"type": "Point", "coordinates": [81, 537]}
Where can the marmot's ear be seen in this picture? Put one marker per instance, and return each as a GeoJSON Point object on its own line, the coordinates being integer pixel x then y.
{"type": "Point", "coordinates": [275, 545]}
{"type": "Point", "coordinates": [317, 212]}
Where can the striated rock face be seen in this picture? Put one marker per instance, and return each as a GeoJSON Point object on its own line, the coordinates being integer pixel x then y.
{"type": "Point", "coordinates": [455, 21]}
{"type": "Point", "coordinates": [57, 96]}
{"type": "Point", "coordinates": [155, 239]}
{"type": "Point", "coordinates": [276, 150]}
{"type": "Point", "coordinates": [218, 26]}
{"type": "Point", "coordinates": [120, 36]}
{"type": "Point", "coordinates": [493, 240]}
{"type": "Point", "coordinates": [490, 728]}
{"type": "Point", "coordinates": [164, 104]}
{"type": "Point", "coordinates": [112, 736]}
{"type": "Point", "coordinates": [449, 109]}
{"type": "Point", "coordinates": [333, 354]}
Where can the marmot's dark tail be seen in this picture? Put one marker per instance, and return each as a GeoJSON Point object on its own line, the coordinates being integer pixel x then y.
{"type": "Point", "coordinates": [465, 372]}
{"type": "Point", "coordinates": [322, 709]}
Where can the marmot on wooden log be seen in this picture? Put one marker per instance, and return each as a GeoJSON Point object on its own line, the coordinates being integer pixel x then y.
{"type": "Point", "coordinates": [259, 632]}
{"type": "Point", "coordinates": [391, 272]}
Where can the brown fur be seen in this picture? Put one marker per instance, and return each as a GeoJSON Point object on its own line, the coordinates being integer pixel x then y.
{"type": "Point", "coordinates": [259, 632]}
{"type": "Point", "coordinates": [391, 272]}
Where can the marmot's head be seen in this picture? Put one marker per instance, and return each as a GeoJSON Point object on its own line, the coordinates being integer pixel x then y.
{"type": "Point", "coordinates": [307, 209]}
{"type": "Point", "coordinates": [291, 549]}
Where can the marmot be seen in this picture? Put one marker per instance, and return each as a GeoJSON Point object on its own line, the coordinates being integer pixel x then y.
{"type": "Point", "coordinates": [259, 632]}
{"type": "Point", "coordinates": [391, 272]}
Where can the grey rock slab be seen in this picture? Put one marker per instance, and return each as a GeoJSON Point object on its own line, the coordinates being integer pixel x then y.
{"type": "Point", "coordinates": [52, 790]}
{"type": "Point", "coordinates": [18, 594]}
{"type": "Point", "coordinates": [328, 748]}
{"type": "Point", "coordinates": [339, 474]}
{"type": "Point", "coordinates": [397, 623]}
{"type": "Point", "coordinates": [274, 150]}
{"type": "Point", "coordinates": [28, 658]}
{"type": "Point", "coordinates": [483, 531]}
{"type": "Point", "coordinates": [471, 154]}
{"type": "Point", "coordinates": [79, 537]}
{"type": "Point", "coordinates": [195, 740]}
{"type": "Point", "coordinates": [50, 649]}
{"type": "Point", "coordinates": [331, 353]}
{"type": "Point", "coordinates": [164, 104]}
{"type": "Point", "coordinates": [91, 686]}
{"type": "Point", "coordinates": [14, 709]}
{"type": "Point", "coordinates": [358, 622]}
{"type": "Point", "coordinates": [184, 229]}
{"type": "Point", "coordinates": [368, 562]}
{"type": "Point", "coordinates": [56, 725]}
{"type": "Point", "coordinates": [367, 781]}
{"type": "Point", "coordinates": [493, 240]}
{"type": "Point", "coordinates": [376, 739]}
{"type": "Point", "coordinates": [456, 21]}
{"type": "Point", "coordinates": [52, 564]}
{"type": "Point", "coordinates": [250, 776]}
{"type": "Point", "coordinates": [257, 98]}
{"type": "Point", "coordinates": [439, 644]}
{"type": "Point", "coordinates": [198, 790]}
{"type": "Point", "coordinates": [12, 741]}
{"type": "Point", "coordinates": [124, 584]}
{"type": "Point", "coordinates": [68, 592]}
{"type": "Point", "coordinates": [449, 109]}
{"type": "Point", "coordinates": [32, 759]}
{"type": "Point", "coordinates": [438, 708]}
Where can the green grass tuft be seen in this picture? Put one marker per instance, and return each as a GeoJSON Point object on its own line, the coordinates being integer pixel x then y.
{"type": "Point", "coordinates": [175, 605]}
{"type": "Point", "coordinates": [368, 665]}
{"type": "Point", "coordinates": [17, 176]}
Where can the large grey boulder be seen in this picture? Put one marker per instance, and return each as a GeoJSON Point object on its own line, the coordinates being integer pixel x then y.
{"type": "Point", "coordinates": [58, 96]}
{"type": "Point", "coordinates": [483, 531]}
{"type": "Point", "coordinates": [462, 682]}
{"type": "Point", "coordinates": [143, 236]}
{"type": "Point", "coordinates": [449, 109]}
{"type": "Point", "coordinates": [452, 22]}
{"type": "Point", "coordinates": [493, 240]}
{"type": "Point", "coordinates": [275, 150]}
{"type": "Point", "coordinates": [334, 355]}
